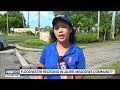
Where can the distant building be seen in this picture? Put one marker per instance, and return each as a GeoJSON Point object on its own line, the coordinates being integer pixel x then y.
{"type": "Point", "coordinates": [20, 30]}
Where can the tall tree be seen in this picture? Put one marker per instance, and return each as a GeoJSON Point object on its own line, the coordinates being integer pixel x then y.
{"type": "Point", "coordinates": [117, 24]}
{"type": "Point", "coordinates": [81, 19]}
{"type": "Point", "coordinates": [105, 25]}
{"type": "Point", "coordinates": [39, 24]}
{"type": "Point", "coordinates": [7, 24]}
{"type": "Point", "coordinates": [23, 21]}
{"type": "Point", "coordinates": [28, 20]}
{"type": "Point", "coordinates": [113, 24]}
{"type": "Point", "coordinates": [15, 20]}
{"type": "Point", "coordinates": [98, 29]}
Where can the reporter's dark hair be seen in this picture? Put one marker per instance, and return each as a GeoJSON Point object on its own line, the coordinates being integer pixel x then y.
{"type": "Point", "coordinates": [71, 37]}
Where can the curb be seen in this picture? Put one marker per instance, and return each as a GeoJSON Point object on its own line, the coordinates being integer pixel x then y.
{"type": "Point", "coordinates": [38, 50]}
{"type": "Point", "coordinates": [83, 47]}
{"type": "Point", "coordinates": [28, 49]}
{"type": "Point", "coordinates": [23, 62]}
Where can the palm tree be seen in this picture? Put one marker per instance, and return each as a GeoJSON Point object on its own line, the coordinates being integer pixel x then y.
{"type": "Point", "coordinates": [28, 19]}
{"type": "Point", "coordinates": [113, 24]}
{"type": "Point", "coordinates": [23, 21]}
{"type": "Point", "coordinates": [98, 29]}
{"type": "Point", "coordinates": [7, 24]}
{"type": "Point", "coordinates": [39, 24]}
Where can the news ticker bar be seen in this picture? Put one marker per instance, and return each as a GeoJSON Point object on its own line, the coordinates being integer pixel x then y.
{"type": "Point", "coordinates": [66, 71]}
{"type": "Point", "coordinates": [21, 72]}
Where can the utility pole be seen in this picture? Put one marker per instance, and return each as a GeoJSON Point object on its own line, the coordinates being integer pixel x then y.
{"type": "Point", "coordinates": [7, 25]}
{"type": "Point", "coordinates": [113, 24]}
{"type": "Point", "coordinates": [28, 19]}
{"type": "Point", "coordinates": [98, 29]}
{"type": "Point", "coordinates": [23, 21]}
{"type": "Point", "coordinates": [39, 24]}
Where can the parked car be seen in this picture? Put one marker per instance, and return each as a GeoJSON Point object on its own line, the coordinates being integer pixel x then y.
{"type": "Point", "coordinates": [3, 43]}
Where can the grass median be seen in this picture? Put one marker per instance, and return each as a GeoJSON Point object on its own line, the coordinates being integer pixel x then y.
{"type": "Point", "coordinates": [99, 43]}
{"type": "Point", "coordinates": [23, 37]}
{"type": "Point", "coordinates": [33, 43]}
{"type": "Point", "coordinates": [39, 44]}
{"type": "Point", "coordinates": [115, 65]}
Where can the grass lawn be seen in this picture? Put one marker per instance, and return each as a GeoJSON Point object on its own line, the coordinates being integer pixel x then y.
{"type": "Point", "coordinates": [115, 65]}
{"type": "Point", "coordinates": [24, 37]}
{"type": "Point", "coordinates": [98, 43]}
{"type": "Point", "coordinates": [33, 43]}
{"type": "Point", "coordinates": [36, 43]}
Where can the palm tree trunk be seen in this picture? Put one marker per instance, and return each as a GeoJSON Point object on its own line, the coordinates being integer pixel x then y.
{"type": "Point", "coordinates": [113, 24]}
{"type": "Point", "coordinates": [105, 35]}
{"type": "Point", "coordinates": [98, 29]}
{"type": "Point", "coordinates": [39, 24]}
{"type": "Point", "coordinates": [7, 25]}
{"type": "Point", "coordinates": [28, 20]}
{"type": "Point", "coordinates": [23, 21]}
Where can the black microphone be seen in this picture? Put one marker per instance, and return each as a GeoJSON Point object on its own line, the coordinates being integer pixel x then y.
{"type": "Point", "coordinates": [60, 59]}
{"type": "Point", "coordinates": [61, 63]}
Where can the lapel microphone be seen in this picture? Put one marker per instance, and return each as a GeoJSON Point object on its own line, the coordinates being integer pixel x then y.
{"type": "Point", "coordinates": [60, 59]}
{"type": "Point", "coordinates": [61, 63]}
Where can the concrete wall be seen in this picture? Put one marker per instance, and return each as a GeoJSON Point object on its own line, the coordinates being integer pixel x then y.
{"type": "Point", "coordinates": [45, 36]}
{"type": "Point", "coordinates": [23, 30]}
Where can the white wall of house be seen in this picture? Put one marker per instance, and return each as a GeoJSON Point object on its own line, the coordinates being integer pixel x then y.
{"type": "Point", "coordinates": [45, 36]}
{"type": "Point", "coordinates": [23, 30]}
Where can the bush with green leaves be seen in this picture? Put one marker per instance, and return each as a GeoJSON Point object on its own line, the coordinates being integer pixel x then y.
{"type": "Point", "coordinates": [30, 33]}
{"type": "Point", "coordinates": [85, 37]}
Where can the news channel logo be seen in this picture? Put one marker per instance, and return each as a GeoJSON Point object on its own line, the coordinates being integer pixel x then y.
{"type": "Point", "coordinates": [12, 73]}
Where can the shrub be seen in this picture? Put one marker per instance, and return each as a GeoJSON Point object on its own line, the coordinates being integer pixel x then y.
{"type": "Point", "coordinates": [86, 37]}
{"type": "Point", "coordinates": [29, 33]}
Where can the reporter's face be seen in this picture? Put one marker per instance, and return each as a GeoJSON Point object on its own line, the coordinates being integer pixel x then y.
{"type": "Point", "coordinates": [62, 31]}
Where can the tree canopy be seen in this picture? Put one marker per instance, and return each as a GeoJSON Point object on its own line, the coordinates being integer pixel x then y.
{"type": "Point", "coordinates": [85, 20]}
{"type": "Point", "coordinates": [15, 19]}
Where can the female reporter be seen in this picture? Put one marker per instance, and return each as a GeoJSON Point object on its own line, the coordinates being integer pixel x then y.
{"type": "Point", "coordinates": [62, 45]}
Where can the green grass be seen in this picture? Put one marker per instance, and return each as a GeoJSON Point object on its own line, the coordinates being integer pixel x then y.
{"type": "Point", "coordinates": [33, 43]}
{"type": "Point", "coordinates": [115, 65]}
{"type": "Point", "coordinates": [98, 43]}
{"type": "Point", "coordinates": [36, 43]}
{"type": "Point", "coordinates": [24, 37]}
{"type": "Point", "coordinates": [40, 46]}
